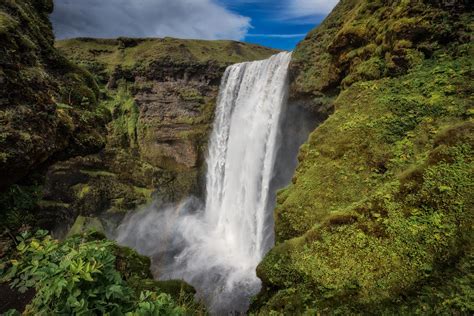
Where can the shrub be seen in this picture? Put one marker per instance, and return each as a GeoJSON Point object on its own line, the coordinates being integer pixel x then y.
{"type": "Point", "coordinates": [79, 277]}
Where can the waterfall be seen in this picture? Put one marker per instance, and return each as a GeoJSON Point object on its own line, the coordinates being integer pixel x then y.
{"type": "Point", "coordinates": [217, 247]}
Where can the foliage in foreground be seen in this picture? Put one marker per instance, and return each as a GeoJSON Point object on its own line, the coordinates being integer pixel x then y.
{"type": "Point", "coordinates": [79, 277]}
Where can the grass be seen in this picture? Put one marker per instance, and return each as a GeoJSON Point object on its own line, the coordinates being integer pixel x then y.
{"type": "Point", "coordinates": [132, 53]}
{"type": "Point", "coordinates": [7, 23]}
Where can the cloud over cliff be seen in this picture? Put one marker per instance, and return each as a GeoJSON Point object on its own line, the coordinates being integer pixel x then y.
{"type": "Point", "coordinates": [204, 19]}
{"type": "Point", "coordinates": [302, 11]}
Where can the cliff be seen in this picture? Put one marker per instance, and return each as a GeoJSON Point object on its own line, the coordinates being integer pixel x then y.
{"type": "Point", "coordinates": [171, 86]}
{"type": "Point", "coordinates": [48, 105]}
{"type": "Point", "coordinates": [162, 94]}
{"type": "Point", "coordinates": [96, 125]}
{"type": "Point", "coordinates": [378, 217]}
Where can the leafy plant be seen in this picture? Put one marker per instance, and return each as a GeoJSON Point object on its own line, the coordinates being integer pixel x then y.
{"type": "Point", "coordinates": [78, 277]}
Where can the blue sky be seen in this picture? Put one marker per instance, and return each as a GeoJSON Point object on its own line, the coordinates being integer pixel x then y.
{"type": "Point", "coordinates": [274, 23]}
{"type": "Point", "coordinates": [270, 27]}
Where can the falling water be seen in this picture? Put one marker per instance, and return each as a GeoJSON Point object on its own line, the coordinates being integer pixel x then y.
{"type": "Point", "coordinates": [217, 247]}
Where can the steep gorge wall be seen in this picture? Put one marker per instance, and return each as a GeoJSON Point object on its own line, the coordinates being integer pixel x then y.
{"type": "Point", "coordinates": [49, 111]}
{"type": "Point", "coordinates": [378, 217]}
{"type": "Point", "coordinates": [48, 106]}
{"type": "Point", "coordinates": [101, 125]}
{"type": "Point", "coordinates": [162, 94]}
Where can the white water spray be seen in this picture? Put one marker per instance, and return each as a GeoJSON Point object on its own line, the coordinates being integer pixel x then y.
{"type": "Point", "coordinates": [216, 248]}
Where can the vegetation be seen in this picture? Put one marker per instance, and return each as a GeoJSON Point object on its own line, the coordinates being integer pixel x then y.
{"type": "Point", "coordinates": [367, 40]}
{"type": "Point", "coordinates": [123, 129]}
{"type": "Point", "coordinates": [36, 82]}
{"type": "Point", "coordinates": [103, 56]}
{"type": "Point", "coordinates": [18, 204]}
{"type": "Point", "coordinates": [378, 218]}
{"type": "Point", "coordinates": [80, 276]}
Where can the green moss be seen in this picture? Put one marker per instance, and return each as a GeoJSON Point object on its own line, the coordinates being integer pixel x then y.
{"type": "Point", "coordinates": [191, 94]}
{"type": "Point", "coordinates": [130, 264]}
{"type": "Point", "coordinates": [82, 190]}
{"type": "Point", "coordinates": [98, 173]}
{"type": "Point", "coordinates": [53, 204]}
{"type": "Point", "coordinates": [365, 40]}
{"type": "Point", "coordinates": [380, 128]}
{"type": "Point", "coordinates": [371, 69]}
{"type": "Point", "coordinates": [379, 213]}
{"type": "Point", "coordinates": [41, 77]}
{"type": "Point", "coordinates": [84, 225]}
{"type": "Point", "coordinates": [146, 193]}
{"type": "Point", "coordinates": [397, 241]}
{"type": "Point", "coordinates": [7, 23]}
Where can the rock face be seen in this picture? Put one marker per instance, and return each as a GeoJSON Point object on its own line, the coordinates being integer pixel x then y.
{"type": "Point", "coordinates": [378, 217]}
{"type": "Point", "coordinates": [161, 94]}
{"type": "Point", "coordinates": [131, 127]}
{"type": "Point", "coordinates": [48, 106]}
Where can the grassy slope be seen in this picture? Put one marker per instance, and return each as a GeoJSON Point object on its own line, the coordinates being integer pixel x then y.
{"type": "Point", "coordinates": [107, 54]}
{"type": "Point", "coordinates": [379, 216]}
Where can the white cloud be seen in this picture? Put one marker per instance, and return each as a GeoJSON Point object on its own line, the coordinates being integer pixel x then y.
{"type": "Point", "coordinates": [308, 8]}
{"type": "Point", "coordinates": [203, 19]}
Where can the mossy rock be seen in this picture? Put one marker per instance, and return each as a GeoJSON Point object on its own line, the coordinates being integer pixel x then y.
{"type": "Point", "coordinates": [367, 40]}
{"type": "Point", "coordinates": [84, 225]}
{"type": "Point", "coordinates": [34, 78]}
{"type": "Point", "coordinates": [135, 269]}
{"type": "Point", "coordinates": [378, 217]}
{"type": "Point", "coordinates": [7, 23]}
{"type": "Point", "coordinates": [131, 265]}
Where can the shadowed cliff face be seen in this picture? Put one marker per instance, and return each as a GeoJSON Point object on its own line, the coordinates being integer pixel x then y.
{"type": "Point", "coordinates": [48, 106]}
{"type": "Point", "coordinates": [378, 217]}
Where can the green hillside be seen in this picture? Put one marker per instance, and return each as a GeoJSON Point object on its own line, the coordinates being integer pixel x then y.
{"type": "Point", "coordinates": [378, 219]}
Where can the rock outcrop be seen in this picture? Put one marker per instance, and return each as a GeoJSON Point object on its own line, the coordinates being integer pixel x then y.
{"type": "Point", "coordinates": [48, 106]}
{"type": "Point", "coordinates": [361, 41]}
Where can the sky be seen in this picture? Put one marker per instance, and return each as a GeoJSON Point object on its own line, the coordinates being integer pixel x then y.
{"type": "Point", "coordinates": [274, 23]}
